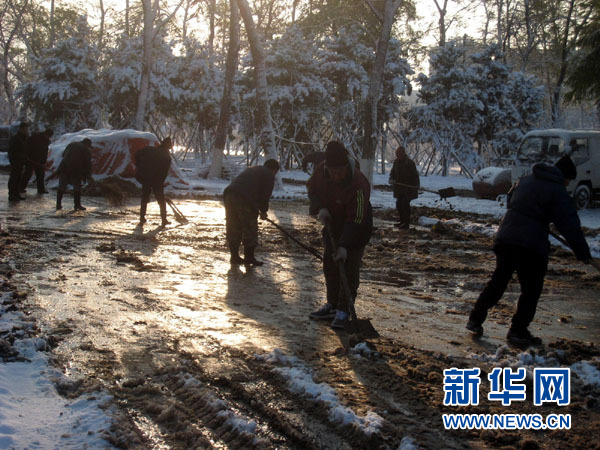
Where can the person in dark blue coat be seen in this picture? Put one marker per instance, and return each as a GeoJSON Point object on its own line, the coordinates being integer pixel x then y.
{"type": "Point", "coordinates": [522, 246]}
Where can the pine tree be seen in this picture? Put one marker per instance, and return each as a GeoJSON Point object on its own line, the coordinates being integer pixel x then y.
{"type": "Point", "coordinates": [64, 91]}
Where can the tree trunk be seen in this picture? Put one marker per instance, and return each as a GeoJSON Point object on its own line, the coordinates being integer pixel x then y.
{"type": "Point", "coordinates": [555, 102]}
{"type": "Point", "coordinates": [442, 10]}
{"type": "Point", "coordinates": [369, 143]}
{"type": "Point", "coordinates": [147, 35]}
{"type": "Point", "coordinates": [225, 112]}
{"type": "Point", "coordinates": [263, 110]}
{"type": "Point", "coordinates": [126, 18]}
{"type": "Point", "coordinates": [52, 24]}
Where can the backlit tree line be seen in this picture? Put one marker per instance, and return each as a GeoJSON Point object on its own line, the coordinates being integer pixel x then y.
{"type": "Point", "coordinates": [281, 78]}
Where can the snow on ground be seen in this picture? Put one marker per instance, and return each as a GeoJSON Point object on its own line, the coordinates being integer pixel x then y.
{"type": "Point", "coordinates": [32, 413]}
{"type": "Point", "coordinates": [583, 372]}
{"type": "Point", "coordinates": [27, 383]}
{"type": "Point", "coordinates": [300, 381]}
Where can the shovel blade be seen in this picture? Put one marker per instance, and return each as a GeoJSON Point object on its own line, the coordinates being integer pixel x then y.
{"type": "Point", "coordinates": [363, 328]}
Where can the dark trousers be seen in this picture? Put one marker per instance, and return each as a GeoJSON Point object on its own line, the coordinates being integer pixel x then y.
{"type": "Point", "coordinates": [531, 270]}
{"type": "Point", "coordinates": [14, 180]}
{"type": "Point", "coordinates": [403, 207]}
{"type": "Point", "coordinates": [241, 222]}
{"type": "Point", "coordinates": [158, 190]}
{"type": "Point", "coordinates": [333, 283]}
{"type": "Point", "coordinates": [40, 173]}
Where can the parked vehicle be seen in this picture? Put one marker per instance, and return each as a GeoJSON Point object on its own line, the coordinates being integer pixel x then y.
{"type": "Point", "coordinates": [583, 146]}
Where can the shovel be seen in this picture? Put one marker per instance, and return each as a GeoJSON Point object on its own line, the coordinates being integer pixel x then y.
{"type": "Point", "coordinates": [179, 217]}
{"type": "Point", "coordinates": [443, 193]}
{"type": "Point", "coordinates": [361, 327]}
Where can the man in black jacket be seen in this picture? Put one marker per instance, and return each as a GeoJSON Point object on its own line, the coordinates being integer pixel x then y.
{"type": "Point", "coordinates": [152, 167]}
{"type": "Point", "coordinates": [522, 245]}
{"type": "Point", "coordinates": [37, 155]}
{"type": "Point", "coordinates": [74, 169]}
{"type": "Point", "coordinates": [339, 196]}
{"type": "Point", "coordinates": [246, 197]}
{"type": "Point", "coordinates": [17, 147]}
{"type": "Point", "coordinates": [404, 179]}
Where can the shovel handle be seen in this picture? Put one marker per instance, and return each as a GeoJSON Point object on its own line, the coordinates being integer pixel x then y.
{"type": "Point", "coordinates": [594, 262]}
{"type": "Point", "coordinates": [300, 243]}
{"type": "Point", "coordinates": [342, 271]}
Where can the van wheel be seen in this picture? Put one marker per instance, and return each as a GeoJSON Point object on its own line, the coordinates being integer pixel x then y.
{"type": "Point", "coordinates": [582, 196]}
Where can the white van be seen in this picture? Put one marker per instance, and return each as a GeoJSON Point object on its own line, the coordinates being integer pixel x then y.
{"type": "Point", "coordinates": [583, 146]}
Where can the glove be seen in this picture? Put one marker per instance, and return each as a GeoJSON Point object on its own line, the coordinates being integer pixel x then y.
{"type": "Point", "coordinates": [324, 216]}
{"type": "Point", "coordinates": [263, 215]}
{"type": "Point", "coordinates": [340, 255]}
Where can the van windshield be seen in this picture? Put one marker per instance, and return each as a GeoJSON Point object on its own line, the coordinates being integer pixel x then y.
{"type": "Point", "coordinates": [541, 148]}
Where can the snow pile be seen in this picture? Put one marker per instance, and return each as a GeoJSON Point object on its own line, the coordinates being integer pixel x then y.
{"type": "Point", "coordinates": [300, 381]}
{"type": "Point", "coordinates": [586, 372]}
{"type": "Point", "coordinates": [113, 153]}
{"type": "Point", "coordinates": [27, 384]}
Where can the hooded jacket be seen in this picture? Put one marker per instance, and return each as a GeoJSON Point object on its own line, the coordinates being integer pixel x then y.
{"type": "Point", "coordinates": [405, 171]}
{"type": "Point", "coordinates": [347, 202]}
{"type": "Point", "coordinates": [76, 162]}
{"type": "Point", "coordinates": [534, 202]}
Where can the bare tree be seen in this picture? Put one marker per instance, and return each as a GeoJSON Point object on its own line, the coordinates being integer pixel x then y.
{"type": "Point", "coordinates": [226, 100]}
{"type": "Point", "coordinates": [263, 110]}
{"type": "Point", "coordinates": [370, 107]}
{"type": "Point", "coordinates": [151, 29]}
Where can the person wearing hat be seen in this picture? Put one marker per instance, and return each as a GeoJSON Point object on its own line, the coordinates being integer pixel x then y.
{"type": "Point", "coordinates": [37, 155]}
{"type": "Point", "coordinates": [152, 164]}
{"type": "Point", "coordinates": [339, 196]}
{"type": "Point", "coordinates": [246, 198]}
{"type": "Point", "coordinates": [75, 168]}
{"type": "Point", "coordinates": [404, 179]}
{"type": "Point", "coordinates": [522, 246]}
{"type": "Point", "coordinates": [17, 156]}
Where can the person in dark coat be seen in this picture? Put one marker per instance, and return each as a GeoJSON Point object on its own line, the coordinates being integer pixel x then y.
{"type": "Point", "coordinates": [74, 169]}
{"type": "Point", "coordinates": [522, 246]}
{"type": "Point", "coordinates": [245, 198]}
{"type": "Point", "coordinates": [17, 156]}
{"type": "Point", "coordinates": [37, 155]}
{"type": "Point", "coordinates": [152, 165]}
{"type": "Point", "coordinates": [404, 179]}
{"type": "Point", "coordinates": [313, 158]}
{"type": "Point", "coordinates": [339, 196]}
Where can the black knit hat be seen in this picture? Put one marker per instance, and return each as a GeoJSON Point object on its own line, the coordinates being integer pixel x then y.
{"type": "Point", "coordinates": [336, 154]}
{"type": "Point", "coordinates": [566, 166]}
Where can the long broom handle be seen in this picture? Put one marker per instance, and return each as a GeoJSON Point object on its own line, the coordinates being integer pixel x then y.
{"type": "Point", "coordinates": [310, 249]}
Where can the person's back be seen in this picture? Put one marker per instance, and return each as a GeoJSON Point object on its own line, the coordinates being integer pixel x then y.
{"type": "Point", "coordinates": [37, 147]}
{"type": "Point", "coordinates": [152, 164]}
{"type": "Point", "coordinates": [255, 184]}
{"type": "Point", "coordinates": [536, 201]}
{"type": "Point", "coordinates": [77, 161]}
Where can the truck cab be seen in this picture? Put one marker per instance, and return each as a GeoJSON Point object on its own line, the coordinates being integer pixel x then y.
{"type": "Point", "coordinates": [548, 146]}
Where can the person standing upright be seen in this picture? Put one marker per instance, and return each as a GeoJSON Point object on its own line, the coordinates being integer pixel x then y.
{"type": "Point", "coordinates": [522, 246]}
{"type": "Point", "coordinates": [152, 165]}
{"type": "Point", "coordinates": [339, 196]}
{"type": "Point", "coordinates": [245, 198]}
{"type": "Point", "coordinates": [404, 179]}
{"type": "Point", "coordinates": [37, 155]}
{"type": "Point", "coordinates": [17, 155]}
{"type": "Point", "coordinates": [74, 169]}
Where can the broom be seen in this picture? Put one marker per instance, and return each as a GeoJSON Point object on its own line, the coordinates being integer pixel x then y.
{"type": "Point", "coordinates": [179, 217]}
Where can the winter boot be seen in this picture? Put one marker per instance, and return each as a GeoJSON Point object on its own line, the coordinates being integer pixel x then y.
{"type": "Point", "coordinates": [77, 201]}
{"type": "Point", "coordinates": [249, 258]}
{"type": "Point", "coordinates": [59, 196]}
